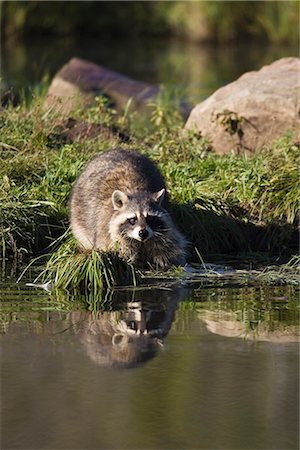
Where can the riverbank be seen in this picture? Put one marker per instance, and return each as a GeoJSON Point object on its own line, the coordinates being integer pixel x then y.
{"type": "Point", "coordinates": [223, 204]}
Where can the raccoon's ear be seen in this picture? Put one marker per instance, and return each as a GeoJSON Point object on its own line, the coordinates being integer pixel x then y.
{"type": "Point", "coordinates": [118, 199]}
{"type": "Point", "coordinates": [159, 196]}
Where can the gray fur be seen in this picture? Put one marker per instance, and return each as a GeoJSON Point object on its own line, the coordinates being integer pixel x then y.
{"type": "Point", "coordinates": [114, 187]}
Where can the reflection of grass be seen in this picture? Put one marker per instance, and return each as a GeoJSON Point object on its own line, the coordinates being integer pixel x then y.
{"type": "Point", "coordinates": [249, 311]}
{"type": "Point", "coordinates": [257, 309]}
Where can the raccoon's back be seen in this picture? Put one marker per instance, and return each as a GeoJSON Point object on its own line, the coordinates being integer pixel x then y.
{"type": "Point", "coordinates": [120, 169]}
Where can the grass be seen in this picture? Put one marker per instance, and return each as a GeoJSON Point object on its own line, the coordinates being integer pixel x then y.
{"type": "Point", "coordinates": [86, 271]}
{"type": "Point", "coordinates": [224, 204]}
{"type": "Point", "coordinates": [288, 273]}
{"type": "Point", "coordinates": [225, 275]}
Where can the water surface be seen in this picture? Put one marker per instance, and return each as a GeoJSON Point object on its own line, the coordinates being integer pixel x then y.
{"type": "Point", "coordinates": [196, 69]}
{"type": "Point", "coordinates": [169, 368]}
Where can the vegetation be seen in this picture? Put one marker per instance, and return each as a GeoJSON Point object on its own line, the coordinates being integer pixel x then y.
{"type": "Point", "coordinates": [223, 204]}
{"type": "Point", "coordinates": [219, 21]}
{"type": "Point", "coordinates": [225, 275]}
{"type": "Point", "coordinates": [69, 268]}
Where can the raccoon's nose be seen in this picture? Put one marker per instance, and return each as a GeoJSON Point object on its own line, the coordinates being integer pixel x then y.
{"type": "Point", "coordinates": [143, 233]}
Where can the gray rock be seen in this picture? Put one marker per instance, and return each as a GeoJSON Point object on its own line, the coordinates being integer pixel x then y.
{"type": "Point", "coordinates": [252, 111]}
{"type": "Point", "coordinates": [79, 81]}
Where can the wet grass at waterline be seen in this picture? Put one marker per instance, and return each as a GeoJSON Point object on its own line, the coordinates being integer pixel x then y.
{"type": "Point", "coordinates": [95, 273]}
{"type": "Point", "coordinates": [288, 273]}
{"type": "Point", "coordinates": [223, 275]}
{"type": "Point", "coordinates": [223, 204]}
{"type": "Point", "coordinates": [86, 271]}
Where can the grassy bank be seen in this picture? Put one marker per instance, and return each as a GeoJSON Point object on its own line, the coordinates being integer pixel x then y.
{"type": "Point", "coordinates": [223, 204]}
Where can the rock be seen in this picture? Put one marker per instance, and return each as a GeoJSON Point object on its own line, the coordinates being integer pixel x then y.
{"type": "Point", "coordinates": [79, 81]}
{"type": "Point", "coordinates": [252, 111]}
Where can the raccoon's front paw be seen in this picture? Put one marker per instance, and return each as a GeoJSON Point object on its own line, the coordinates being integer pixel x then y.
{"type": "Point", "coordinates": [161, 263]}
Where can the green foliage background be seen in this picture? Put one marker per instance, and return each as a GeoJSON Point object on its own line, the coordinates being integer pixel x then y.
{"type": "Point", "coordinates": [218, 21]}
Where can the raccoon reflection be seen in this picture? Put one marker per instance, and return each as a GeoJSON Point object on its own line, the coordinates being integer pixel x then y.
{"type": "Point", "coordinates": [119, 203]}
{"type": "Point", "coordinates": [109, 342]}
{"type": "Point", "coordinates": [131, 337]}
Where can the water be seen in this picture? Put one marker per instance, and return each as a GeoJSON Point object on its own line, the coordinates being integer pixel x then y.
{"type": "Point", "coordinates": [214, 367]}
{"type": "Point", "coordinates": [196, 69]}
{"type": "Point", "coordinates": [168, 368]}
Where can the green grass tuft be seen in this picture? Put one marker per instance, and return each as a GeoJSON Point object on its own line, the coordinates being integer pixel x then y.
{"type": "Point", "coordinates": [87, 271]}
{"type": "Point", "coordinates": [288, 273]}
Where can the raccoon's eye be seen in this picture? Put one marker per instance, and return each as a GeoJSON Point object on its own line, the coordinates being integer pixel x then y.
{"type": "Point", "coordinates": [132, 220]}
{"type": "Point", "coordinates": [155, 222]}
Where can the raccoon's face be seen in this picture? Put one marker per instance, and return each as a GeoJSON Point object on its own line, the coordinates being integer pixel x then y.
{"type": "Point", "coordinates": [138, 217]}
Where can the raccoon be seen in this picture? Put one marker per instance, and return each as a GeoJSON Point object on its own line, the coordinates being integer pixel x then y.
{"type": "Point", "coordinates": [119, 203]}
